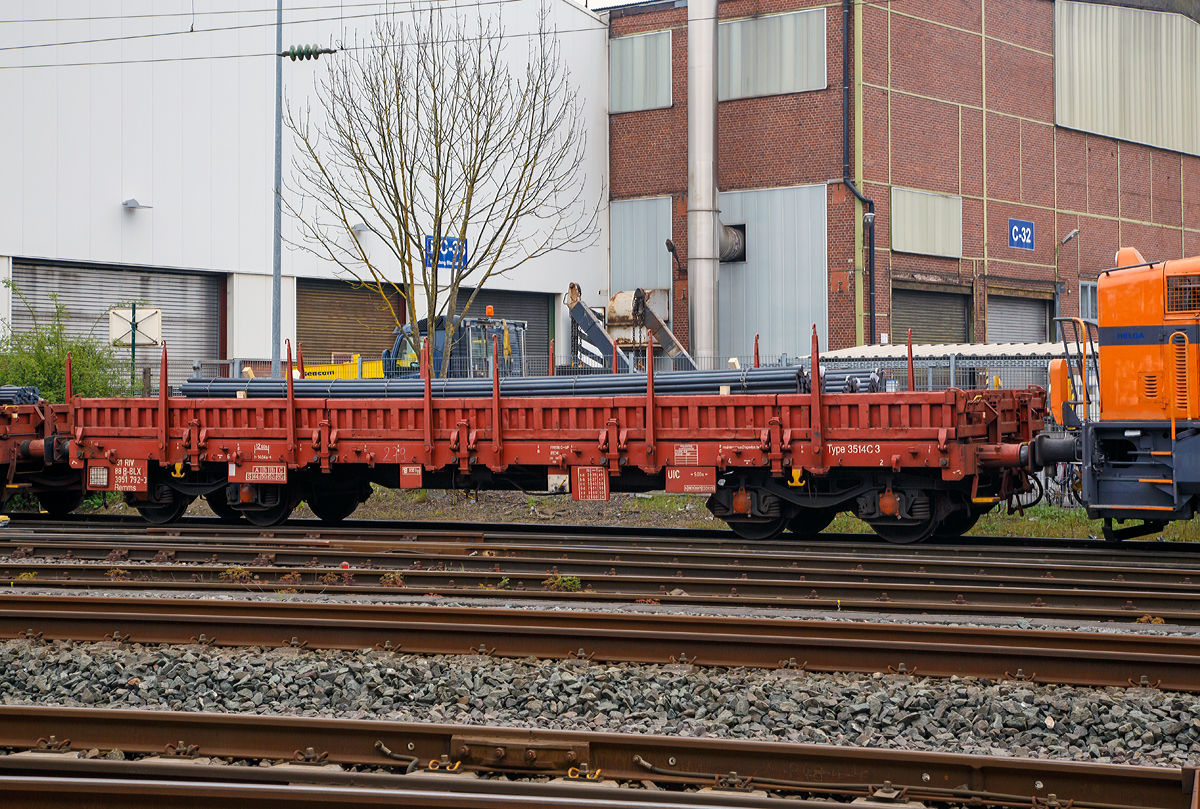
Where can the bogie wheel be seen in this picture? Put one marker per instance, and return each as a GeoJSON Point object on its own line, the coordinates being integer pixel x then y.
{"type": "Point", "coordinates": [809, 521]}
{"type": "Point", "coordinates": [333, 508]}
{"type": "Point", "coordinates": [758, 529]}
{"type": "Point", "coordinates": [905, 533]}
{"type": "Point", "coordinates": [60, 502]}
{"type": "Point", "coordinates": [274, 515]}
{"type": "Point", "coordinates": [170, 512]}
{"type": "Point", "coordinates": [957, 524]}
{"type": "Point", "coordinates": [220, 506]}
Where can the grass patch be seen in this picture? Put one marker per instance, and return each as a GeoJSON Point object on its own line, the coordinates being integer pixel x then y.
{"type": "Point", "coordinates": [563, 584]}
{"type": "Point", "coordinates": [662, 503]}
{"type": "Point", "coordinates": [1039, 521]}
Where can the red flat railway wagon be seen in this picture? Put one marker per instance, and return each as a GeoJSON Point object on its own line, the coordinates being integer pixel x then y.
{"type": "Point", "coordinates": [910, 464]}
{"type": "Point", "coordinates": [33, 455]}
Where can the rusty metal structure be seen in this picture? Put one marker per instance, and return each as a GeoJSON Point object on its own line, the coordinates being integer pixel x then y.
{"type": "Point", "coordinates": [911, 464]}
{"type": "Point", "coordinates": [183, 759]}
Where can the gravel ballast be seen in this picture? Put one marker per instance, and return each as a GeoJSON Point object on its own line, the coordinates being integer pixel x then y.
{"type": "Point", "coordinates": [1010, 718]}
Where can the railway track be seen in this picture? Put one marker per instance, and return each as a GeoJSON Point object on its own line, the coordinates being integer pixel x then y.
{"type": "Point", "coordinates": [385, 529]}
{"type": "Point", "coordinates": [188, 757]}
{"type": "Point", "coordinates": [1076, 583]}
{"type": "Point", "coordinates": [1079, 658]}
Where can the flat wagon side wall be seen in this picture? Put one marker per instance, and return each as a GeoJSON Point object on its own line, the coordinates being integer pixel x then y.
{"type": "Point", "coordinates": [948, 430]}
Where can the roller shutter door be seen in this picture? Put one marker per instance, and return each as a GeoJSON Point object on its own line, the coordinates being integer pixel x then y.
{"type": "Point", "coordinates": [334, 317]}
{"type": "Point", "coordinates": [532, 307]}
{"type": "Point", "coordinates": [190, 303]}
{"type": "Point", "coordinates": [934, 317]}
{"type": "Point", "coordinates": [1017, 320]}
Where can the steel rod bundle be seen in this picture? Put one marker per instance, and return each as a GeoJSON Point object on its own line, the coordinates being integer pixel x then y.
{"type": "Point", "coordinates": [747, 381]}
{"type": "Point", "coordinates": [18, 395]}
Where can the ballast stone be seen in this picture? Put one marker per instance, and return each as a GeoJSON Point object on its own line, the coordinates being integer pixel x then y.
{"type": "Point", "coordinates": [965, 715]}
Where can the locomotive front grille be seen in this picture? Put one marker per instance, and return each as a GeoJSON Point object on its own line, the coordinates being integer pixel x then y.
{"type": "Point", "coordinates": [1183, 293]}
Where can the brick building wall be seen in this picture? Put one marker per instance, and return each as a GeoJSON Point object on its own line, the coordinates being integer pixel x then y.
{"type": "Point", "coordinates": [957, 98]}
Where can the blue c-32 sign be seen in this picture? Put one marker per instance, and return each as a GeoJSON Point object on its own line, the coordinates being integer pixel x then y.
{"type": "Point", "coordinates": [1020, 234]}
{"type": "Point", "coordinates": [449, 256]}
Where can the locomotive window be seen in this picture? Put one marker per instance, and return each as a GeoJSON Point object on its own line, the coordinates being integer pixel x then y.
{"type": "Point", "coordinates": [1183, 293]}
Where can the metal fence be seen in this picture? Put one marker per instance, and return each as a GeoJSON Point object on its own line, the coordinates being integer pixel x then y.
{"type": "Point", "coordinates": [973, 373]}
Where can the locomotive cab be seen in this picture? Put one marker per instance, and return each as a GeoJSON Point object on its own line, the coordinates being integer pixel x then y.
{"type": "Point", "coordinates": [1141, 439]}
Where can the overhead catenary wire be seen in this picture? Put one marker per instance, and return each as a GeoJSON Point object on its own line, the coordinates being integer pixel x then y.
{"type": "Point", "coordinates": [264, 24]}
{"type": "Point", "coordinates": [155, 60]}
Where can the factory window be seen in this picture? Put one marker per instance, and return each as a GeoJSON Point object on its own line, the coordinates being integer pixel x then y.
{"type": "Point", "coordinates": [639, 73]}
{"type": "Point", "coordinates": [1128, 74]}
{"type": "Point", "coordinates": [778, 53]}
{"type": "Point", "coordinates": [925, 223]}
{"type": "Point", "coordinates": [1087, 300]}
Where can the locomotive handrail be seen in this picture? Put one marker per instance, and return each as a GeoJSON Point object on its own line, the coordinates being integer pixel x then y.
{"type": "Point", "coordinates": [1084, 335]}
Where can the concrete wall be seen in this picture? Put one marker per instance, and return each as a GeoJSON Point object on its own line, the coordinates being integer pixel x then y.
{"type": "Point", "coordinates": [184, 122]}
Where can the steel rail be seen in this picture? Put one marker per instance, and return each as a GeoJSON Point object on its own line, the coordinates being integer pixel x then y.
{"type": "Point", "coordinates": [1092, 659]}
{"type": "Point", "coordinates": [617, 756]}
{"type": "Point", "coordinates": [91, 561]}
{"type": "Point", "coordinates": [433, 792]}
{"type": "Point", "coordinates": [230, 541]}
{"type": "Point", "coordinates": [1044, 598]}
{"type": "Point", "coordinates": [391, 529]}
{"type": "Point", "coordinates": [525, 559]}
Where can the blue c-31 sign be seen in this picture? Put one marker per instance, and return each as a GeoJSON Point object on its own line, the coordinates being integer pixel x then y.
{"type": "Point", "coordinates": [450, 255]}
{"type": "Point", "coordinates": [1020, 234]}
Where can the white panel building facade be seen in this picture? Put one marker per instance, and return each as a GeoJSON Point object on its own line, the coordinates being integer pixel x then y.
{"type": "Point", "coordinates": [137, 148]}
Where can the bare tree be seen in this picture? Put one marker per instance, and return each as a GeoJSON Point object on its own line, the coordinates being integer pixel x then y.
{"type": "Point", "coordinates": [433, 133]}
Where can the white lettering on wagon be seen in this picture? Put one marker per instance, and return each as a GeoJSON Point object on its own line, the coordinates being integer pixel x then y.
{"type": "Point", "coordinates": [130, 475]}
{"type": "Point", "coordinates": [853, 449]}
{"type": "Point", "coordinates": [259, 473]}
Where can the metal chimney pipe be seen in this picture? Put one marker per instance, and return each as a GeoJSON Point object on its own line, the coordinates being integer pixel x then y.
{"type": "Point", "coordinates": [703, 225]}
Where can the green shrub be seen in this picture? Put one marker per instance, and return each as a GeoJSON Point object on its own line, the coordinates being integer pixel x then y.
{"type": "Point", "coordinates": [39, 358]}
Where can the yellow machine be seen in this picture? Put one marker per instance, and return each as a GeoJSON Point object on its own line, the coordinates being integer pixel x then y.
{"type": "Point", "coordinates": [1128, 390]}
{"type": "Point", "coordinates": [357, 368]}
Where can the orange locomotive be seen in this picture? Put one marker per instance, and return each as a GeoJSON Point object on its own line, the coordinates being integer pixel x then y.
{"type": "Point", "coordinates": [1138, 415]}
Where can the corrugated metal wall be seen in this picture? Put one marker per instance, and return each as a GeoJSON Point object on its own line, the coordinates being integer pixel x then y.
{"type": "Point", "coordinates": [925, 223]}
{"type": "Point", "coordinates": [639, 73]}
{"type": "Point", "coordinates": [1017, 320]}
{"type": "Point", "coordinates": [190, 303]}
{"type": "Point", "coordinates": [935, 317]}
{"type": "Point", "coordinates": [1128, 74]}
{"type": "Point", "coordinates": [640, 229]}
{"type": "Point", "coordinates": [333, 316]}
{"type": "Point", "coordinates": [777, 53]}
{"type": "Point", "coordinates": [532, 307]}
{"type": "Point", "coordinates": [781, 289]}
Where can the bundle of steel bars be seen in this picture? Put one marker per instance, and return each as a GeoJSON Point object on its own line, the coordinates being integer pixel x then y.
{"type": "Point", "coordinates": [18, 395]}
{"type": "Point", "coordinates": [746, 381]}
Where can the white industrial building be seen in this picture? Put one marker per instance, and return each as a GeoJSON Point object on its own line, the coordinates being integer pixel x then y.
{"type": "Point", "coordinates": [136, 163]}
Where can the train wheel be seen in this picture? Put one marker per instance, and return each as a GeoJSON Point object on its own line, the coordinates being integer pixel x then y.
{"type": "Point", "coordinates": [905, 533]}
{"type": "Point", "coordinates": [758, 529]}
{"type": "Point", "coordinates": [811, 520]}
{"type": "Point", "coordinates": [274, 515]}
{"type": "Point", "coordinates": [220, 506]}
{"type": "Point", "coordinates": [60, 502]}
{"type": "Point", "coordinates": [957, 524]}
{"type": "Point", "coordinates": [170, 512]}
{"type": "Point", "coordinates": [333, 508]}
